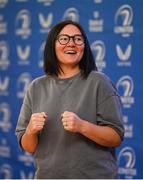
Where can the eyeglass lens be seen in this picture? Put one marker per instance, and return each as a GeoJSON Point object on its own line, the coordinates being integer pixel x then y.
{"type": "Point", "coordinates": [64, 39]}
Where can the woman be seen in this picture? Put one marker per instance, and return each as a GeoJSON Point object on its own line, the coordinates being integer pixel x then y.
{"type": "Point", "coordinates": [71, 118]}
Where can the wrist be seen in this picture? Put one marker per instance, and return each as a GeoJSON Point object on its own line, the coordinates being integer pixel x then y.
{"type": "Point", "coordinates": [82, 126]}
{"type": "Point", "coordinates": [29, 132]}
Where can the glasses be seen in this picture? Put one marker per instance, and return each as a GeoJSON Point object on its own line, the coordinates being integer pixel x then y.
{"type": "Point", "coordinates": [64, 39]}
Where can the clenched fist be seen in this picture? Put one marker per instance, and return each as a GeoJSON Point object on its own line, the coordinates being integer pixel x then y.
{"type": "Point", "coordinates": [71, 121]}
{"type": "Point", "coordinates": [36, 122]}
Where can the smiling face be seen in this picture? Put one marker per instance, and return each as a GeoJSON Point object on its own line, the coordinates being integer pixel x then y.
{"type": "Point", "coordinates": [69, 54]}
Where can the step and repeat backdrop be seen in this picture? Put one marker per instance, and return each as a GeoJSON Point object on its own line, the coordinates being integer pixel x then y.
{"type": "Point", "coordinates": [115, 32]}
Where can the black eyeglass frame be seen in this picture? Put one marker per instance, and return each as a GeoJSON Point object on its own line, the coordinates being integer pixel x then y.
{"type": "Point", "coordinates": [69, 37]}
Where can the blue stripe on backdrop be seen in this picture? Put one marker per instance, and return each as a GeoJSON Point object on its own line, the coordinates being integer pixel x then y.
{"type": "Point", "coordinates": [115, 32]}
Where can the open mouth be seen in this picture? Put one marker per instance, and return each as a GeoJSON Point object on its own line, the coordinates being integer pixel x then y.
{"type": "Point", "coordinates": [70, 52]}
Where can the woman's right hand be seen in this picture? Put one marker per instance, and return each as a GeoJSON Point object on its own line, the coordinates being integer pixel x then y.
{"type": "Point", "coordinates": [36, 123]}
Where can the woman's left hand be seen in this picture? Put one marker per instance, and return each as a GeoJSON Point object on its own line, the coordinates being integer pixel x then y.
{"type": "Point", "coordinates": [71, 121]}
{"type": "Point", "coordinates": [103, 135]}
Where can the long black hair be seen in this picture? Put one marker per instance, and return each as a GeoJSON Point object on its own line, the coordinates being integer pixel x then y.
{"type": "Point", "coordinates": [51, 62]}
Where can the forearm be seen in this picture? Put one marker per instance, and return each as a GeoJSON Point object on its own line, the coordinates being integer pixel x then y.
{"type": "Point", "coordinates": [103, 135]}
{"type": "Point", "coordinates": [29, 142]}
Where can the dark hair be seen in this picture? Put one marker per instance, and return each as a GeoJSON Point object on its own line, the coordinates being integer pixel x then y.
{"type": "Point", "coordinates": [51, 63]}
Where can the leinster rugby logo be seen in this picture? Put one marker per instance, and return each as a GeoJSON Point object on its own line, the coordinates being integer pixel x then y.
{"type": "Point", "coordinates": [125, 87]}
{"type": "Point", "coordinates": [4, 55]}
{"type": "Point", "coordinates": [123, 20]}
{"type": "Point", "coordinates": [23, 22]}
{"type": "Point", "coordinates": [98, 49]}
{"type": "Point", "coordinates": [71, 14]}
{"type": "Point", "coordinates": [127, 160]}
{"type": "Point", "coordinates": [22, 84]}
{"type": "Point", "coordinates": [5, 124]}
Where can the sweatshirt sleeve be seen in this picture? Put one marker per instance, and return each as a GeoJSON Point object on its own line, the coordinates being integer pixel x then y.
{"type": "Point", "coordinates": [25, 114]}
{"type": "Point", "coordinates": [109, 109]}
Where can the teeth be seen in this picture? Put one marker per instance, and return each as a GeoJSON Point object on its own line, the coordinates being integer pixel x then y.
{"type": "Point", "coordinates": [70, 52]}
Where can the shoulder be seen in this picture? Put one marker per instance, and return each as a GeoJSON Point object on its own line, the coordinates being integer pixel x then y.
{"type": "Point", "coordinates": [39, 81]}
{"type": "Point", "coordinates": [99, 76]}
{"type": "Point", "coordinates": [102, 82]}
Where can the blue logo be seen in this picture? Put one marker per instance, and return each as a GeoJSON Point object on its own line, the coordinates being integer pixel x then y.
{"type": "Point", "coordinates": [123, 20]}
{"type": "Point", "coordinates": [125, 87]}
{"type": "Point", "coordinates": [99, 51]}
{"type": "Point", "coordinates": [71, 14]}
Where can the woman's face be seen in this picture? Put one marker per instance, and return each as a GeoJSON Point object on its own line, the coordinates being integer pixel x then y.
{"type": "Point", "coordinates": [69, 46]}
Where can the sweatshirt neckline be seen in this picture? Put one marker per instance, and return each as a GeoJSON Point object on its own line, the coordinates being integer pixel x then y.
{"type": "Point", "coordinates": [67, 79]}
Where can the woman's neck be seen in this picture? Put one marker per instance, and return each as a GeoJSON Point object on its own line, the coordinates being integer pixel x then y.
{"type": "Point", "coordinates": [68, 72]}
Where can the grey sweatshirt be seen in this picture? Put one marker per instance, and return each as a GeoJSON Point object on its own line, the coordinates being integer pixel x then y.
{"type": "Point", "coordinates": [63, 154]}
